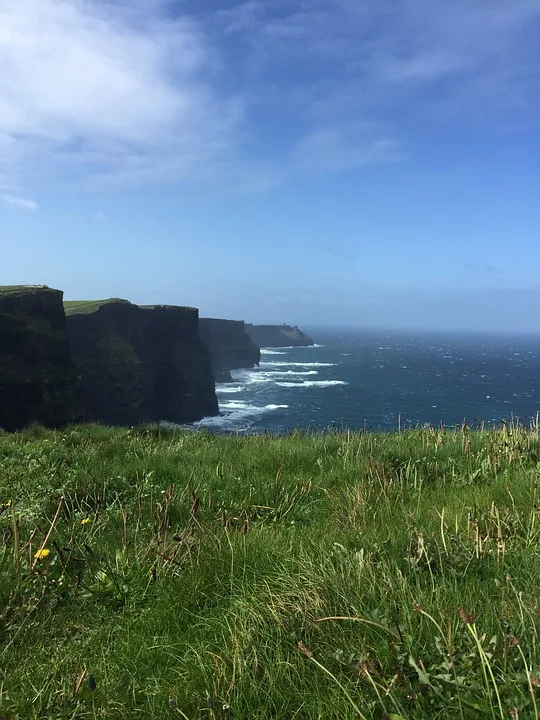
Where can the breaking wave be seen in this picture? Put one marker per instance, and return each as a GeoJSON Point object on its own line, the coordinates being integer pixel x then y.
{"type": "Point", "coordinates": [311, 383]}
{"type": "Point", "coordinates": [283, 363]}
{"type": "Point", "coordinates": [237, 415]}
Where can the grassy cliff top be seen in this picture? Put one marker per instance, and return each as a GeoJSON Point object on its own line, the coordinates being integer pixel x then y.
{"type": "Point", "coordinates": [73, 307]}
{"type": "Point", "coordinates": [17, 289]}
{"type": "Point", "coordinates": [221, 321]}
{"type": "Point", "coordinates": [156, 574]}
{"type": "Point", "coordinates": [77, 307]}
{"type": "Point", "coordinates": [187, 308]}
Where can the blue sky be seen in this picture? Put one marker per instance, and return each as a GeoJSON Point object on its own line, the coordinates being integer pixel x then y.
{"type": "Point", "coordinates": [349, 163]}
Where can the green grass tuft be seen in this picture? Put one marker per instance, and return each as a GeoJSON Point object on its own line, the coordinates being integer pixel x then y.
{"type": "Point", "coordinates": [154, 574]}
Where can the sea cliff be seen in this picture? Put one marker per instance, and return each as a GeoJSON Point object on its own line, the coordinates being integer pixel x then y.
{"type": "Point", "coordinates": [230, 346]}
{"type": "Point", "coordinates": [140, 363]}
{"type": "Point", "coordinates": [278, 336]}
{"type": "Point", "coordinates": [38, 379]}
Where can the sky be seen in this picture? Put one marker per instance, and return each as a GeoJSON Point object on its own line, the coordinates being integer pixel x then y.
{"type": "Point", "coordinates": [345, 163]}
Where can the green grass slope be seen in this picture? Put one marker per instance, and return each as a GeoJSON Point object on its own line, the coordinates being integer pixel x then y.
{"type": "Point", "coordinates": [17, 289]}
{"type": "Point", "coordinates": [146, 574]}
{"type": "Point", "coordinates": [72, 307]}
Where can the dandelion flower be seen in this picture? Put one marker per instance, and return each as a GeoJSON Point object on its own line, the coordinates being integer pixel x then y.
{"type": "Point", "coordinates": [85, 521]}
{"type": "Point", "coordinates": [42, 554]}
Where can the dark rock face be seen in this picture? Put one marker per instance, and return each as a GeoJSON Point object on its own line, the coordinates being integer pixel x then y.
{"type": "Point", "coordinates": [178, 365]}
{"type": "Point", "coordinates": [278, 336]}
{"type": "Point", "coordinates": [38, 379]}
{"type": "Point", "coordinates": [141, 364]}
{"type": "Point", "coordinates": [230, 346]}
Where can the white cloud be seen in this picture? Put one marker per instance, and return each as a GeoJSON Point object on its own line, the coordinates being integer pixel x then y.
{"type": "Point", "coordinates": [89, 88]}
{"type": "Point", "coordinates": [118, 92]}
{"type": "Point", "coordinates": [21, 203]}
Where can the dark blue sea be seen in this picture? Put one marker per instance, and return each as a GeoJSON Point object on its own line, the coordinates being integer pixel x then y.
{"type": "Point", "coordinates": [377, 380]}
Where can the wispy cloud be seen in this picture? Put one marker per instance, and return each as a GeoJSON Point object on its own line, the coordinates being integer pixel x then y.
{"type": "Point", "coordinates": [99, 88]}
{"type": "Point", "coordinates": [21, 203]}
{"type": "Point", "coordinates": [362, 80]}
{"type": "Point", "coordinates": [333, 149]}
{"type": "Point", "coordinates": [371, 58]}
{"type": "Point", "coordinates": [138, 92]}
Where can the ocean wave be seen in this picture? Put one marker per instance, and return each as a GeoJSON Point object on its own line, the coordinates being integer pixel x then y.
{"type": "Point", "coordinates": [237, 415]}
{"type": "Point", "coordinates": [235, 405]}
{"type": "Point", "coordinates": [226, 389]}
{"type": "Point", "coordinates": [250, 376]}
{"type": "Point", "coordinates": [312, 383]}
{"type": "Point", "coordinates": [240, 405]}
{"type": "Point", "coordinates": [292, 347]}
{"type": "Point", "coordinates": [284, 373]}
{"type": "Point", "coordinates": [267, 351]}
{"type": "Point", "coordinates": [283, 363]}
{"type": "Point", "coordinates": [280, 347]}
{"type": "Point", "coordinates": [261, 377]}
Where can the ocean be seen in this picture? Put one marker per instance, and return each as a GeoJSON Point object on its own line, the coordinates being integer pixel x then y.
{"type": "Point", "coordinates": [379, 380]}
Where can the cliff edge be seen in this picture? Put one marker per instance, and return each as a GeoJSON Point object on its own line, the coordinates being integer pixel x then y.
{"type": "Point", "coordinates": [278, 336]}
{"type": "Point", "coordinates": [230, 346]}
{"type": "Point", "coordinates": [140, 363]}
{"type": "Point", "coordinates": [38, 379]}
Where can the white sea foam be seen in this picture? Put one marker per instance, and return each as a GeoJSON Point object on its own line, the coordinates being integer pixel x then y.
{"type": "Point", "coordinates": [237, 415]}
{"type": "Point", "coordinates": [276, 350]}
{"type": "Point", "coordinates": [235, 405]}
{"type": "Point", "coordinates": [249, 377]}
{"type": "Point", "coordinates": [280, 347]}
{"type": "Point", "coordinates": [284, 373]}
{"type": "Point", "coordinates": [229, 389]}
{"type": "Point", "coordinates": [312, 383]}
{"type": "Point", "coordinates": [252, 409]}
{"type": "Point", "coordinates": [283, 363]}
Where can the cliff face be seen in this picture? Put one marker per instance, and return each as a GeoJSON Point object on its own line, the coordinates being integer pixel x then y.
{"type": "Point", "coordinates": [140, 364]}
{"type": "Point", "coordinates": [38, 380]}
{"type": "Point", "coordinates": [230, 346]}
{"type": "Point", "coordinates": [278, 336]}
{"type": "Point", "coordinates": [178, 367]}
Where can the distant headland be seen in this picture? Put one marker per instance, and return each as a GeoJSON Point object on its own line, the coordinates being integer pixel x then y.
{"type": "Point", "coordinates": [278, 336]}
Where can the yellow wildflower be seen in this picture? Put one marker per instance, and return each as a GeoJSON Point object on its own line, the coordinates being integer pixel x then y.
{"type": "Point", "coordinates": [8, 504]}
{"type": "Point", "coordinates": [84, 521]}
{"type": "Point", "coordinates": [42, 554]}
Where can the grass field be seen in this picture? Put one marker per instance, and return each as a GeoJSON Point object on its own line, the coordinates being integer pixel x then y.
{"type": "Point", "coordinates": [149, 574]}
